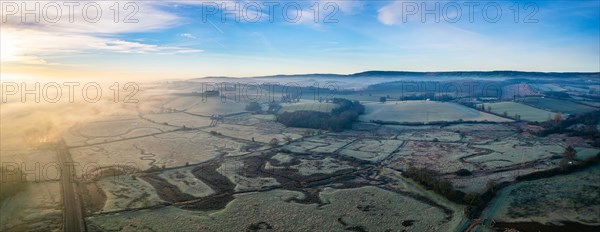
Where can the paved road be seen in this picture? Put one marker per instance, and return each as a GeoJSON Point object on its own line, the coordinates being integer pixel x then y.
{"type": "Point", "coordinates": [72, 215]}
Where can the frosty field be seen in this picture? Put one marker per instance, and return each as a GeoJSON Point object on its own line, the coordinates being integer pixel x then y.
{"type": "Point", "coordinates": [126, 192]}
{"type": "Point", "coordinates": [186, 182]}
{"type": "Point", "coordinates": [367, 207]}
{"type": "Point", "coordinates": [556, 105]}
{"type": "Point", "coordinates": [176, 163]}
{"type": "Point", "coordinates": [38, 208]}
{"type": "Point", "coordinates": [526, 112]}
{"type": "Point", "coordinates": [171, 150]}
{"type": "Point", "coordinates": [309, 105]}
{"type": "Point", "coordinates": [424, 112]}
{"type": "Point", "coordinates": [553, 200]}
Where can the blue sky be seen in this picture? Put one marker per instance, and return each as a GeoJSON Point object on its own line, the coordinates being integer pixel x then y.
{"type": "Point", "coordinates": [188, 39]}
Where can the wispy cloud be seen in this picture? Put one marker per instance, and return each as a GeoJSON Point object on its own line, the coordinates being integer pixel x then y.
{"type": "Point", "coordinates": [31, 42]}
{"type": "Point", "coordinates": [187, 35]}
{"type": "Point", "coordinates": [135, 17]}
{"type": "Point", "coordinates": [391, 13]}
{"type": "Point", "coordinates": [240, 11]}
{"type": "Point", "coordinates": [566, 38]}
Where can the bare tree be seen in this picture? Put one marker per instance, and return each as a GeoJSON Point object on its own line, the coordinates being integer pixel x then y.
{"type": "Point", "coordinates": [568, 157]}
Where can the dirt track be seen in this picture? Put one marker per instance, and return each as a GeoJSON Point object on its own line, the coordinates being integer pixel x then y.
{"type": "Point", "coordinates": [72, 216]}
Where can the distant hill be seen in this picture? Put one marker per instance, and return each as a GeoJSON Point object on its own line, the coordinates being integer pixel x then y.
{"type": "Point", "coordinates": [479, 73]}
{"type": "Point", "coordinates": [491, 74]}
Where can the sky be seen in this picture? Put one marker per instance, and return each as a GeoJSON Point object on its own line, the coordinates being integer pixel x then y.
{"type": "Point", "coordinates": [189, 39]}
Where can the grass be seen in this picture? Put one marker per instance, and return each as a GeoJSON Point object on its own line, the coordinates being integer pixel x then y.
{"type": "Point", "coordinates": [179, 119]}
{"type": "Point", "coordinates": [574, 198]}
{"type": "Point", "coordinates": [584, 153]}
{"type": "Point", "coordinates": [327, 165]}
{"type": "Point", "coordinates": [526, 112]}
{"type": "Point", "coordinates": [590, 103]}
{"type": "Point", "coordinates": [430, 135]}
{"type": "Point", "coordinates": [112, 129]}
{"type": "Point", "coordinates": [308, 105]}
{"type": "Point", "coordinates": [556, 105]}
{"type": "Point", "coordinates": [437, 156]}
{"type": "Point", "coordinates": [233, 171]}
{"type": "Point", "coordinates": [169, 149]}
{"type": "Point", "coordinates": [548, 87]}
{"type": "Point", "coordinates": [186, 182]}
{"type": "Point", "coordinates": [424, 111]}
{"type": "Point", "coordinates": [207, 107]}
{"type": "Point", "coordinates": [217, 107]}
{"type": "Point", "coordinates": [514, 150]}
{"type": "Point", "coordinates": [262, 133]}
{"type": "Point", "coordinates": [320, 144]}
{"type": "Point", "coordinates": [371, 149]}
{"type": "Point", "coordinates": [345, 209]}
{"type": "Point", "coordinates": [37, 208]}
{"type": "Point", "coordinates": [125, 192]}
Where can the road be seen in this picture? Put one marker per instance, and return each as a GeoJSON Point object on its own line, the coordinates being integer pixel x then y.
{"type": "Point", "coordinates": [72, 214]}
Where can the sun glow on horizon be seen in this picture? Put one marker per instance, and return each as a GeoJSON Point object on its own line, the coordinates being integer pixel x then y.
{"type": "Point", "coordinates": [8, 47]}
{"type": "Point", "coordinates": [12, 77]}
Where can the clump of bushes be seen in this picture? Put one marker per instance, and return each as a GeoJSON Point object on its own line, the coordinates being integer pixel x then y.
{"type": "Point", "coordinates": [568, 157]}
{"type": "Point", "coordinates": [338, 119]}
{"type": "Point", "coordinates": [590, 120]}
{"type": "Point", "coordinates": [274, 142]}
{"type": "Point", "coordinates": [254, 107]}
{"type": "Point", "coordinates": [463, 172]}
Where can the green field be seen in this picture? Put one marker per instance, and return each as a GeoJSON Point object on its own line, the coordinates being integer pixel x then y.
{"type": "Point", "coordinates": [556, 105]}
{"type": "Point", "coordinates": [527, 113]}
{"type": "Point", "coordinates": [590, 103]}
{"type": "Point", "coordinates": [584, 153]}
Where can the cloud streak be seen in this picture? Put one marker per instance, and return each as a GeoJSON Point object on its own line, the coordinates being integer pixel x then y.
{"type": "Point", "coordinates": [71, 32]}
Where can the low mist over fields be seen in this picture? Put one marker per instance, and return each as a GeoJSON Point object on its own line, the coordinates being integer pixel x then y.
{"type": "Point", "coordinates": [453, 144]}
{"type": "Point", "coordinates": [300, 115]}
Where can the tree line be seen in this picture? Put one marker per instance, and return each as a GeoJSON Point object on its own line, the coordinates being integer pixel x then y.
{"type": "Point", "coordinates": [338, 119]}
{"type": "Point", "coordinates": [590, 120]}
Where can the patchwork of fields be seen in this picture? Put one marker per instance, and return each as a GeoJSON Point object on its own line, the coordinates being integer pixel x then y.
{"type": "Point", "coordinates": [366, 207]}
{"type": "Point", "coordinates": [172, 165]}
{"type": "Point", "coordinates": [207, 175]}
{"type": "Point", "coordinates": [252, 181]}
